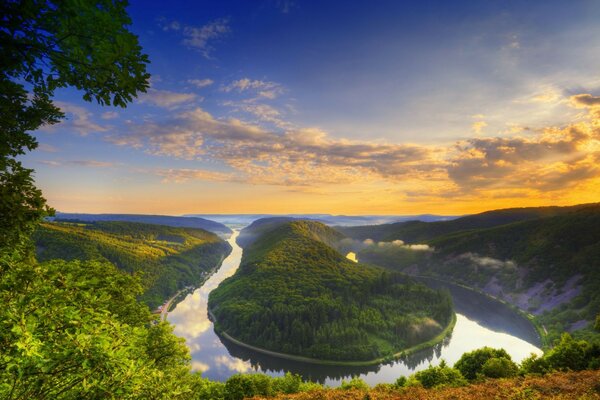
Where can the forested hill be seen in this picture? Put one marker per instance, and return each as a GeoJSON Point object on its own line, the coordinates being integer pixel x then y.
{"type": "Point", "coordinates": [547, 266]}
{"type": "Point", "coordinates": [257, 228]}
{"type": "Point", "coordinates": [168, 220]}
{"type": "Point", "coordinates": [418, 231]}
{"type": "Point", "coordinates": [166, 258]}
{"type": "Point", "coordinates": [295, 294]}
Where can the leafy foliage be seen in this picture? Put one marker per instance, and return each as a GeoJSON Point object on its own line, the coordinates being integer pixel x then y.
{"type": "Point", "coordinates": [75, 330]}
{"type": "Point", "coordinates": [167, 259]}
{"type": "Point", "coordinates": [499, 367]}
{"type": "Point", "coordinates": [295, 294]}
{"type": "Point", "coordinates": [471, 364]}
{"type": "Point", "coordinates": [438, 376]}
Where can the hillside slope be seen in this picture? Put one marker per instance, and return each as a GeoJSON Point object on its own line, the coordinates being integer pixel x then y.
{"type": "Point", "coordinates": [418, 231]}
{"type": "Point", "coordinates": [549, 266]}
{"type": "Point", "coordinates": [167, 259]}
{"type": "Point", "coordinates": [295, 294]}
{"type": "Point", "coordinates": [168, 220]}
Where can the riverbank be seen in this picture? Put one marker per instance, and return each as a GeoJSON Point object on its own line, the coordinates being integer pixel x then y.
{"type": "Point", "coordinates": [398, 355]}
{"type": "Point", "coordinates": [180, 295]}
{"type": "Point", "coordinates": [539, 328]}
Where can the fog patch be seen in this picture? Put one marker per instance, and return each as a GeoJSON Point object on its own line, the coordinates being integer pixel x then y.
{"type": "Point", "coordinates": [489, 262]}
{"type": "Point", "coordinates": [353, 245]}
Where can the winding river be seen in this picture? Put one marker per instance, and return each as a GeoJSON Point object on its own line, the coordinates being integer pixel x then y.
{"type": "Point", "coordinates": [481, 321]}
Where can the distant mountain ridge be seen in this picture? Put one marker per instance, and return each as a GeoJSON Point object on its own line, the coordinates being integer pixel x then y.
{"type": "Point", "coordinates": [419, 231]}
{"type": "Point", "coordinates": [328, 219]}
{"type": "Point", "coordinates": [168, 220]}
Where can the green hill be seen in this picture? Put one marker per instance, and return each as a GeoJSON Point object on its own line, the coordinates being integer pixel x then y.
{"type": "Point", "coordinates": [418, 231]}
{"type": "Point", "coordinates": [295, 294]}
{"type": "Point", "coordinates": [547, 265]}
{"type": "Point", "coordinates": [168, 220]}
{"type": "Point", "coordinates": [252, 232]}
{"type": "Point", "coordinates": [167, 258]}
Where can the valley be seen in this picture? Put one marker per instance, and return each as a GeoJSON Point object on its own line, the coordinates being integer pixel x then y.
{"type": "Point", "coordinates": [544, 261]}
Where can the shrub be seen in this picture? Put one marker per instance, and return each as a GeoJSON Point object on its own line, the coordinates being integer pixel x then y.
{"type": "Point", "coordinates": [354, 383]}
{"type": "Point", "coordinates": [401, 382]}
{"type": "Point", "coordinates": [568, 354]}
{"type": "Point", "coordinates": [441, 375]}
{"type": "Point", "coordinates": [534, 365]}
{"type": "Point", "coordinates": [288, 384]}
{"type": "Point", "coordinates": [240, 386]}
{"type": "Point", "coordinates": [499, 368]}
{"type": "Point", "coordinates": [471, 364]}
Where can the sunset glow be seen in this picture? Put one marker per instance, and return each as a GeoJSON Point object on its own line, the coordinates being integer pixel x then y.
{"type": "Point", "coordinates": [310, 107]}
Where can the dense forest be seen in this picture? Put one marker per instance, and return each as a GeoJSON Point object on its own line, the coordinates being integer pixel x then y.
{"type": "Point", "coordinates": [543, 260]}
{"type": "Point", "coordinates": [167, 259]}
{"type": "Point", "coordinates": [295, 294]}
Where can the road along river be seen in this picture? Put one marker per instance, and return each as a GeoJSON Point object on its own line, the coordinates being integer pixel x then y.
{"type": "Point", "coordinates": [481, 321]}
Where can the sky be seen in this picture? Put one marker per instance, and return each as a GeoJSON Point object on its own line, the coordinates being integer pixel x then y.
{"type": "Point", "coordinates": [342, 107]}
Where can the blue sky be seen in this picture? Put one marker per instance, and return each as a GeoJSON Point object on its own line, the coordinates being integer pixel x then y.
{"type": "Point", "coordinates": [384, 107]}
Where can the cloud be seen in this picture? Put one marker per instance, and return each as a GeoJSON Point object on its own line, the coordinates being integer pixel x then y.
{"type": "Point", "coordinates": [233, 364]}
{"type": "Point", "coordinates": [166, 98]}
{"type": "Point", "coordinates": [79, 163]}
{"type": "Point", "coordinates": [585, 100]}
{"type": "Point", "coordinates": [550, 95]}
{"type": "Point", "coordinates": [265, 89]}
{"type": "Point", "coordinates": [110, 115]}
{"type": "Point", "coordinates": [478, 126]}
{"type": "Point", "coordinates": [200, 83]}
{"type": "Point", "coordinates": [296, 157]}
{"type": "Point", "coordinates": [48, 148]}
{"type": "Point", "coordinates": [175, 175]}
{"type": "Point", "coordinates": [489, 262]}
{"type": "Point", "coordinates": [263, 112]}
{"type": "Point", "coordinates": [199, 366]}
{"type": "Point", "coordinates": [517, 164]}
{"type": "Point", "coordinates": [77, 119]}
{"type": "Point", "coordinates": [550, 160]}
{"type": "Point", "coordinates": [200, 38]}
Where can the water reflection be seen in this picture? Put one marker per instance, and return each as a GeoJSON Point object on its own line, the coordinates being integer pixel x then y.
{"type": "Point", "coordinates": [481, 321]}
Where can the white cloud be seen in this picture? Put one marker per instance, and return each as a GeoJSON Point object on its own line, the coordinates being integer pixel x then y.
{"type": "Point", "coordinates": [166, 98]}
{"type": "Point", "coordinates": [264, 89]}
{"type": "Point", "coordinates": [79, 163]}
{"type": "Point", "coordinates": [77, 119]}
{"type": "Point", "coordinates": [200, 83]}
{"type": "Point", "coordinates": [110, 115]}
{"type": "Point", "coordinates": [200, 38]}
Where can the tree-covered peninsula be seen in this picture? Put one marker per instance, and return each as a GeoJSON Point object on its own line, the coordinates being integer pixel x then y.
{"type": "Point", "coordinates": [295, 294]}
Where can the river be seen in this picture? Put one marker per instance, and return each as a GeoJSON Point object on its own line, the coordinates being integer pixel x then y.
{"type": "Point", "coordinates": [481, 321]}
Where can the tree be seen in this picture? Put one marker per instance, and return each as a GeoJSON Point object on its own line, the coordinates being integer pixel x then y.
{"type": "Point", "coordinates": [75, 330]}
{"type": "Point", "coordinates": [568, 354]}
{"type": "Point", "coordinates": [499, 367]}
{"type": "Point", "coordinates": [438, 376]}
{"type": "Point", "coordinates": [44, 46]}
{"type": "Point", "coordinates": [597, 325]}
{"type": "Point", "coordinates": [471, 364]}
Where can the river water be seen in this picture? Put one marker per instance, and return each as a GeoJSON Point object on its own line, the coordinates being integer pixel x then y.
{"type": "Point", "coordinates": [481, 321]}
